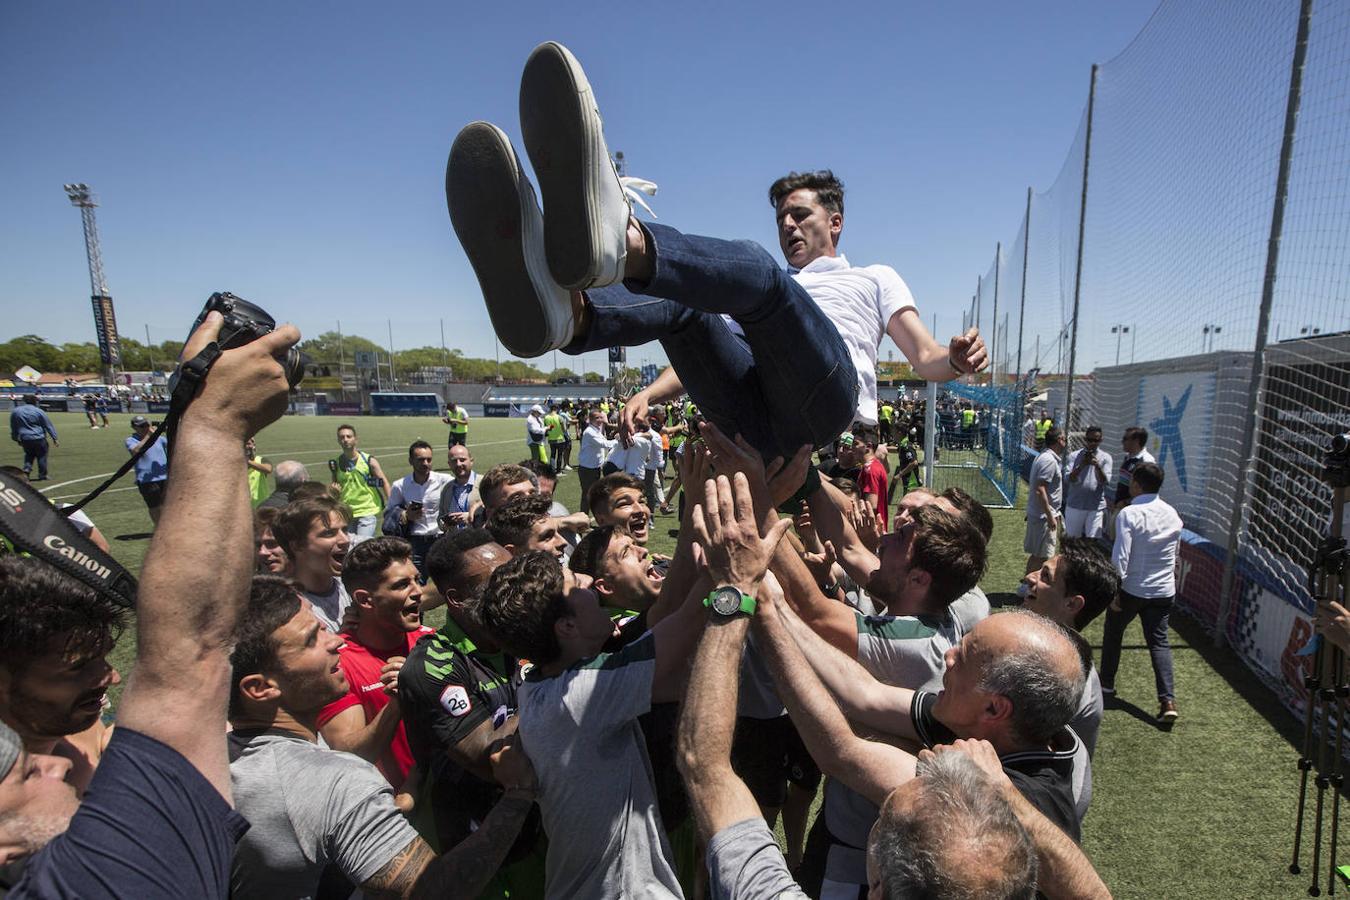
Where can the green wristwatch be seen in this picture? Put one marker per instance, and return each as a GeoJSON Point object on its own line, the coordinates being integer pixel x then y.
{"type": "Point", "coordinates": [729, 601]}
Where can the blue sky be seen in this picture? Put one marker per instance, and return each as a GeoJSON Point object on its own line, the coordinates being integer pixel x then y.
{"type": "Point", "coordinates": [294, 153]}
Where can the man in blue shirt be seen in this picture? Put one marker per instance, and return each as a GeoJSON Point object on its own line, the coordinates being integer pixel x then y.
{"type": "Point", "coordinates": [29, 426]}
{"type": "Point", "coordinates": [152, 469]}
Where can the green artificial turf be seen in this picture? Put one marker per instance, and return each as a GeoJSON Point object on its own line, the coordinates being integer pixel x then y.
{"type": "Point", "coordinates": [1205, 810]}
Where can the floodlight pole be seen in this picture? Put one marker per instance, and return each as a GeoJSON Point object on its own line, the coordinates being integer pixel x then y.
{"type": "Point", "coordinates": [993, 347]}
{"type": "Point", "coordinates": [105, 319]}
{"type": "Point", "coordinates": [1078, 267]}
{"type": "Point", "coordinates": [1237, 519]}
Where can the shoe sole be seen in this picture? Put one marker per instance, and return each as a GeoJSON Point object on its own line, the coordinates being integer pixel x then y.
{"type": "Point", "coordinates": [561, 129]}
{"type": "Point", "coordinates": [486, 198]}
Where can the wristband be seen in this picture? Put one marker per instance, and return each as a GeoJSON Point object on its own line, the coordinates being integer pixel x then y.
{"type": "Point", "coordinates": [955, 368]}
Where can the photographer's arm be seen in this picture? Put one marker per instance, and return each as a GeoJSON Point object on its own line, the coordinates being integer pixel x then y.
{"type": "Point", "coordinates": [192, 591]}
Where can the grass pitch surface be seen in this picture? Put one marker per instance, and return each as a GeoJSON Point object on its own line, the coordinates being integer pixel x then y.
{"type": "Point", "coordinates": [1205, 810]}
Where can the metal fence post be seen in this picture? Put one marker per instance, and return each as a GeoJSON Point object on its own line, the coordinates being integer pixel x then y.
{"type": "Point", "coordinates": [993, 347]}
{"type": "Point", "coordinates": [1246, 459]}
{"type": "Point", "coordinates": [1078, 268]}
{"type": "Point", "coordinates": [930, 435]}
{"type": "Point", "coordinates": [1022, 307]}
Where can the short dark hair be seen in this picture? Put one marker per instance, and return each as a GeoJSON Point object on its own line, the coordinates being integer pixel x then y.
{"type": "Point", "coordinates": [345, 427]}
{"type": "Point", "coordinates": [523, 602]}
{"type": "Point", "coordinates": [1088, 571]}
{"type": "Point", "coordinates": [950, 549]}
{"type": "Point", "coordinates": [44, 611]}
{"type": "Point", "coordinates": [308, 490]}
{"type": "Point", "coordinates": [364, 564]}
{"type": "Point", "coordinates": [540, 469]}
{"type": "Point", "coordinates": [272, 602]}
{"type": "Point", "coordinates": [972, 509]}
{"type": "Point", "coordinates": [419, 445]}
{"type": "Point", "coordinates": [1052, 435]}
{"type": "Point", "coordinates": [591, 549]}
{"type": "Point", "coordinates": [1149, 477]}
{"type": "Point", "coordinates": [445, 560]}
{"type": "Point", "coordinates": [602, 490]}
{"type": "Point", "coordinates": [1092, 429]}
{"type": "Point", "coordinates": [829, 190]}
{"type": "Point", "coordinates": [291, 528]}
{"type": "Point", "coordinates": [1138, 434]}
{"type": "Point", "coordinates": [503, 474]}
{"type": "Point", "coordinates": [264, 517]}
{"type": "Point", "coordinates": [513, 521]}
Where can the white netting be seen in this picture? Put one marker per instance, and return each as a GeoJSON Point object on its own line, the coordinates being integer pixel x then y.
{"type": "Point", "coordinates": [1183, 163]}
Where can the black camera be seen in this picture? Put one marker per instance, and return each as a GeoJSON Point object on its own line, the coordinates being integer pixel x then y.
{"type": "Point", "coordinates": [1336, 466]}
{"type": "Point", "coordinates": [245, 323]}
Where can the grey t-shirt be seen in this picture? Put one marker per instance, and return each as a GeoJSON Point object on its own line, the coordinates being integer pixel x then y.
{"type": "Point", "coordinates": [1089, 490]}
{"type": "Point", "coordinates": [308, 807]}
{"type": "Point", "coordinates": [596, 792]}
{"type": "Point", "coordinates": [1045, 470]}
{"type": "Point", "coordinates": [744, 863]}
{"type": "Point", "coordinates": [329, 608]}
{"type": "Point", "coordinates": [1088, 720]}
{"type": "Point", "coordinates": [905, 651]}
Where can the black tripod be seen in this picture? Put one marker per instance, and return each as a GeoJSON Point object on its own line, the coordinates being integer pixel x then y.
{"type": "Point", "coordinates": [1327, 688]}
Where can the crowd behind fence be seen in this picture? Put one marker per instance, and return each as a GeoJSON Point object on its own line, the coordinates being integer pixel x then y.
{"type": "Point", "coordinates": [1187, 272]}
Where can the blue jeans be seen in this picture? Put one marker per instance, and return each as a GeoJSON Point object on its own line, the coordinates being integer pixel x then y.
{"type": "Point", "coordinates": [35, 450]}
{"type": "Point", "coordinates": [789, 382]}
{"type": "Point", "coordinates": [1153, 615]}
{"type": "Point", "coordinates": [363, 526]}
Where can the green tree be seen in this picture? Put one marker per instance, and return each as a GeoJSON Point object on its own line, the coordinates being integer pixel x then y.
{"type": "Point", "coordinates": [564, 372]}
{"type": "Point", "coordinates": [593, 378]}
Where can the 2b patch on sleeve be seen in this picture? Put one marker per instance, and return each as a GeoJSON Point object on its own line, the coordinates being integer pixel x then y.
{"type": "Point", "coordinates": [455, 700]}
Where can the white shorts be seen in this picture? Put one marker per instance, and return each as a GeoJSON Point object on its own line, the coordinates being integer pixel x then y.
{"type": "Point", "coordinates": [1084, 522]}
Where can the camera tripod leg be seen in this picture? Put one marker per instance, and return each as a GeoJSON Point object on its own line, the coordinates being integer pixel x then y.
{"type": "Point", "coordinates": [1305, 761]}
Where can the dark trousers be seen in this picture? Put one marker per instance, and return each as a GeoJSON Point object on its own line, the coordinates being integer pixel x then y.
{"type": "Point", "coordinates": [421, 546]}
{"type": "Point", "coordinates": [586, 477]}
{"type": "Point", "coordinates": [35, 450]}
{"type": "Point", "coordinates": [1153, 615]}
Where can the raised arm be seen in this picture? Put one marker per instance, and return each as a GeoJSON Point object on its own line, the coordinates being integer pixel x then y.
{"type": "Point", "coordinates": [707, 723]}
{"type": "Point", "coordinates": [827, 506]}
{"type": "Point", "coordinates": [964, 354]}
{"type": "Point", "coordinates": [683, 572]}
{"type": "Point", "coordinates": [833, 620]}
{"type": "Point", "coordinates": [879, 707]}
{"type": "Point", "coordinates": [192, 591]}
{"type": "Point", "coordinates": [868, 767]}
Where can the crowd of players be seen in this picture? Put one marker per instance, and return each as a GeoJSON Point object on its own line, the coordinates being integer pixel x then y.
{"type": "Point", "coordinates": [583, 724]}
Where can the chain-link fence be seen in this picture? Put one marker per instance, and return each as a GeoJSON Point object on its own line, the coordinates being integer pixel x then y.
{"type": "Point", "coordinates": [1187, 272]}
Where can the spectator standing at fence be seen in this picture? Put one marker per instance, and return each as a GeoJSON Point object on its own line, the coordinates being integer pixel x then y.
{"type": "Point", "coordinates": [1148, 537]}
{"type": "Point", "coordinates": [1045, 496]}
{"type": "Point", "coordinates": [458, 420]}
{"type": "Point", "coordinates": [29, 427]}
{"type": "Point", "coordinates": [361, 483]}
{"type": "Point", "coordinates": [1085, 496]}
{"type": "Point", "coordinates": [1042, 426]}
{"type": "Point", "coordinates": [1134, 444]}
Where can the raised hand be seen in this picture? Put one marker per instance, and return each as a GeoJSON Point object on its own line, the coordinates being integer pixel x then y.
{"type": "Point", "coordinates": [966, 353]}
{"type": "Point", "coordinates": [736, 546]}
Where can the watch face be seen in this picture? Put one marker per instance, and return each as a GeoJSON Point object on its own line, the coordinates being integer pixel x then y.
{"type": "Point", "coordinates": [726, 601]}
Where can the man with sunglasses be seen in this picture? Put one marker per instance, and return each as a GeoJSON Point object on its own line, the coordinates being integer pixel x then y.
{"type": "Point", "coordinates": [1085, 492]}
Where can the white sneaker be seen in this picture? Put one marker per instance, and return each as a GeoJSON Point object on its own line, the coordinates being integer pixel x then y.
{"type": "Point", "coordinates": [497, 219]}
{"type": "Point", "coordinates": [587, 211]}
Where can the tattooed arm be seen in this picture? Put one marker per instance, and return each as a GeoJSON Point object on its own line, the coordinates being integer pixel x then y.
{"type": "Point", "coordinates": [465, 870]}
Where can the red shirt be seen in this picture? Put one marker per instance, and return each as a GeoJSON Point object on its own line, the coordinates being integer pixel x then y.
{"type": "Point", "coordinates": [362, 667]}
{"type": "Point", "coordinates": [872, 480]}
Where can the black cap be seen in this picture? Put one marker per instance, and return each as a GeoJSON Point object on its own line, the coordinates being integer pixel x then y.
{"type": "Point", "coordinates": [138, 421]}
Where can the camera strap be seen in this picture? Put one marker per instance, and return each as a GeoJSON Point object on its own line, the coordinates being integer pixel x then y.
{"type": "Point", "coordinates": [188, 378]}
{"type": "Point", "coordinates": [37, 528]}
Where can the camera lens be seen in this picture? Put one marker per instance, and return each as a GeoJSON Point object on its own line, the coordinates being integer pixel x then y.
{"type": "Point", "coordinates": [295, 366]}
{"type": "Point", "coordinates": [1340, 443]}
